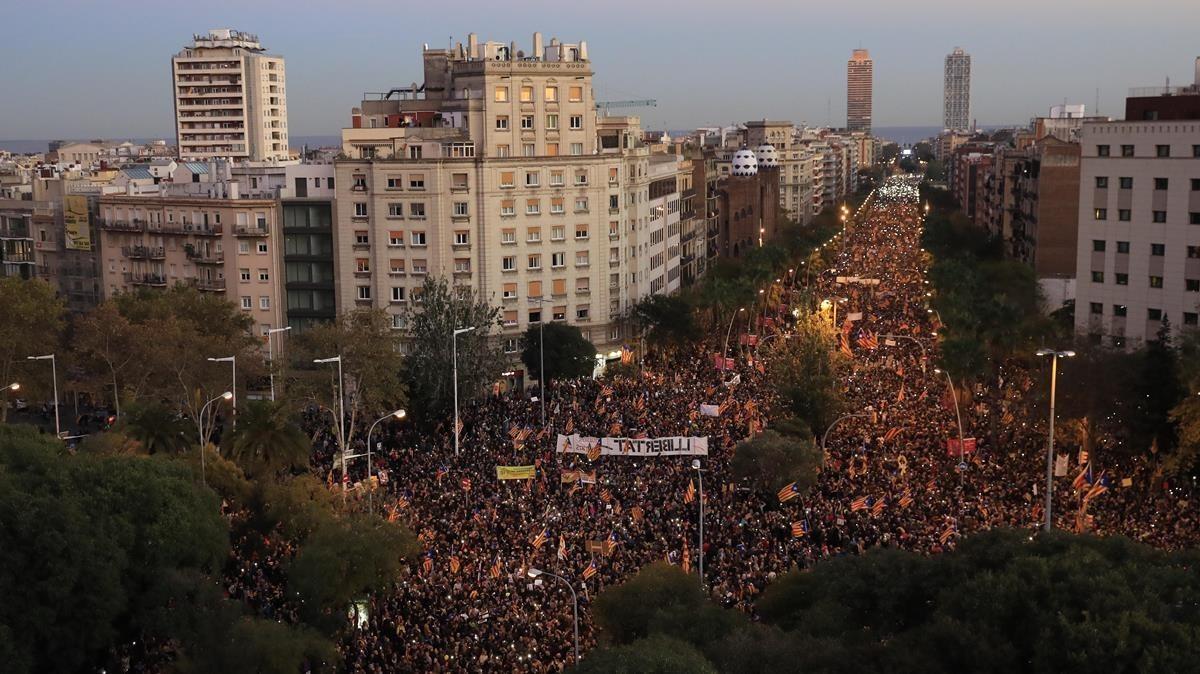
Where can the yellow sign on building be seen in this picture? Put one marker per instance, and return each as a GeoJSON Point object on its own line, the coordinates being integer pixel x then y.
{"type": "Point", "coordinates": [75, 221]}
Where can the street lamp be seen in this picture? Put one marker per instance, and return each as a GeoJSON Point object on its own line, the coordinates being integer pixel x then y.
{"type": "Point", "coordinates": [833, 301]}
{"type": "Point", "coordinates": [54, 376]}
{"type": "Point", "coordinates": [398, 414]}
{"type": "Point", "coordinates": [341, 420]}
{"type": "Point", "coordinates": [541, 302]}
{"type": "Point", "coordinates": [913, 340]}
{"type": "Point", "coordinates": [271, 354]}
{"type": "Point", "coordinates": [957, 414]}
{"type": "Point", "coordinates": [725, 349]}
{"type": "Point", "coordinates": [534, 573]}
{"type": "Point", "coordinates": [870, 411]}
{"type": "Point", "coordinates": [13, 387]}
{"type": "Point", "coordinates": [700, 477]}
{"type": "Point", "coordinates": [1054, 355]}
{"type": "Point", "coordinates": [228, 395]}
{"type": "Point", "coordinates": [454, 349]}
{"type": "Point", "coordinates": [232, 360]}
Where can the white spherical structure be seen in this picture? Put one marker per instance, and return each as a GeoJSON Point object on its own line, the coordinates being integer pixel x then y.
{"type": "Point", "coordinates": [767, 156]}
{"type": "Point", "coordinates": [744, 163]}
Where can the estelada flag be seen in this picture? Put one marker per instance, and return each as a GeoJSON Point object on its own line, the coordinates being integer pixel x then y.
{"type": "Point", "coordinates": [605, 495]}
{"type": "Point", "coordinates": [946, 534]}
{"type": "Point", "coordinates": [690, 494]}
{"type": "Point", "coordinates": [799, 529]}
{"type": "Point", "coordinates": [859, 503]}
{"type": "Point", "coordinates": [788, 493]}
{"type": "Point", "coordinates": [455, 564]}
{"type": "Point", "coordinates": [590, 570]}
{"type": "Point", "coordinates": [891, 434]}
{"type": "Point", "coordinates": [878, 507]}
{"type": "Point", "coordinates": [906, 500]}
{"type": "Point", "coordinates": [593, 453]}
{"type": "Point", "coordinates": [562, 547]}
{"type": "Point", "coordinates": [495, 570]}
{"type": "Point", "coordinates": [540, 539]}
{"type": "Point", "coordinates": [466, 484]}
{"type": "Point", "coordinates": [570, 425]}
{"type": "Point", "coordinates": [427, 565]}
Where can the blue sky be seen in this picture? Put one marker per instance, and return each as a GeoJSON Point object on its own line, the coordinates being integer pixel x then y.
{"type": "Point", "coordinates": [101, 68]}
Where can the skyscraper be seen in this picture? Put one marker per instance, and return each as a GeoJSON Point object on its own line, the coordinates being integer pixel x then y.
{"type": "Point", "coordinates": [230, 98]}
{"type": "Point", "coordinates": [956, 115]}
{"type": "Point", "coordinates": [859, 75]}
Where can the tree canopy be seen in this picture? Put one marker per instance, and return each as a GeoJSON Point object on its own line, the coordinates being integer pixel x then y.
{"type": "Point", "coordinates": [32, 326]}
{"type": "Point", "coordinates": [568, 354]}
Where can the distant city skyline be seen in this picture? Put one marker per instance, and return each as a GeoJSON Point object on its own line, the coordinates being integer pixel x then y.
{"type": "Point", "coordinates": [80, 72]}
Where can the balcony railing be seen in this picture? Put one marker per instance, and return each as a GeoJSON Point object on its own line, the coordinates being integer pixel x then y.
{"type": "Point", "coordinates": [250, 230]}
{"type": "Point", "coordinates": [144, 252]}
{"type": "Point", "coordinates": [210, 284]}
{"type": "Point", "coordinates": [204, 257]}
{"type": "Point", "coordinates": [145, 279]}
{"type": "Point", "coordinates": [122, 225]}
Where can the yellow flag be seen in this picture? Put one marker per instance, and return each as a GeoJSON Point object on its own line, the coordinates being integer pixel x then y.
{"type": "Point", "coordinates": [515, 472]}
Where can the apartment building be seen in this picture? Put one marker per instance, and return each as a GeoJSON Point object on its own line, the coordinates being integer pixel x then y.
{"type": "Point", "coordinates": [956, 91]}
{"type": "Point", "coordinates": [230, 98]}
{"type": "Point", "coordinates": [211, 239]}
{"type": "Point", "coordinates": [860, 71]}
{"type": "Point", "coordinates": [497, 174]}
{"type": "Point", "coordinates": [795, 166]}
{"type": "Point", "coordinates": [1138, 253]}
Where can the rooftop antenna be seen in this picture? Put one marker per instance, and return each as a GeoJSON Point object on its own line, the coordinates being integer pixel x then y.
{"type": "Point", "coordinates": [829, 112]}
{"type": "Point", "coordinates": [1097, 108]}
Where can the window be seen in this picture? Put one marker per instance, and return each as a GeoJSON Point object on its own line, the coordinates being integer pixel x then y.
{"type": "Point", "coordinates": [527, 122]}
{"type": "Point", "coordinates": [576, 122]}
{"type": "Point", "coordinates": [558, 260]}
{"type": "Point", "coordinates": [556, 206]}
{"type": "Point", "coordinates": [508, 264]}
{"type": "Point", "coordinates": [558, 232]}
{"type": "Point", "coordinates": [360, 209]}
{"type": "Point", "coordinates": [1155, 281]}
{"type": "Point", "coordinates": [528, 150]}
{"type": "Point", "coordinates": [510, 291]}
{"type": "Point", "coordinates": [581, 178]}
{"type": "Point", "coordinates": [508, 208]}
{"type": "Point", "coordinates": [560, 314]}
{"type": "Point", "coordinates": [397, 293]}
{"type": "Point", "coordinates": [1102, 151]}
{"type": "Point", "coordinates": [510, 319]}
{"type": "Point", "coordinates": [1196, 150]}
{"type": "Point", "coordinates": [581, 231]}
{"type": "Point", "coordinates": [416, 181]}
{"type": "Point", "coordinates": [264, 302]}
{"type": "Point", "coordinates": [416, 209]}
{"type": "Point", "coordinates": [550, 94]}
{"type": "Point", "coordinates": [556, 178]}
{"type": "Point", "coordinates": [414, 152]}
{"type": "Point", "coordinates": [1154, 314]}
{"type": "Point", "coordinates": [614, 229]}
{"type": "Point", "coordinates": [1102, 182]}
{"type": "Point", "coordinates": [462, 238]}
{"type": "Point", "coordinates": [1126, 183]}
{"type": "Point", "coordinates": [534, 262]}
{"type": "Point", "coordinates": [502, 123]}
{"type": "Point", "coordinates": [362, 265]}
{"type": "Point", "coordinates": [418, 267]}
{"type": "Point", "coordinates": [1189, 318]}
{"type": "Point", "coordinates": [364, 292]}
{"type": "Point", "coordinates": [1194, 218]}
{"type": "Point", "coordinates": [535, 316]}
{"type": "Point", "coordinates": [1158, 249]}
{"type": "Point", "coordinates": [1159, 216]}
{"type": "Point", "coordinates": [1162, 150]}
{"type": "Point", "coordinates": [360, 183]}
{"type": "Point", "coordinates": [462, 265]}
{"type": "Point", "coordinates": [1123, 247]}
{"type": "Point", "coordinates": [396, 267]}
{"type": "Point", "coordinates": [458, 181]}
{"type": "Point", "coordinates": [575, 94]}
{"type": "Point", "coordinates": [1121, 279]}
{"type": "Point", "coordinates": [533, 206]}
{"type": "Point", "coordinates": [581, 259]}
{"type": "Point", "coordinates": [508, 236]}
{"type": "Point", "coordinates": [245, 274]}
{"type": "Point", "coordinates": [1098, 245]}
{"type": "Point", "coordinates": [394, 183]}
{"type": "Point", "coordinates": [1193, 252]}
{"type": "Point", "coordinates": [1101, 214]}
{"type": "Point", "coordinates": [533, 235]}
{"type": "Point", "coordinates": [395, 209]}
{"type": "Point", "coordinates": [534, 289]}
{"type": "Point", "coordinates": [576, 149]}
{"type": "Point", "coordinates": [503, 150]}
{"type": "Point", "coordinates": [418, 238]}
{"type": "Point", "coordinates": [526, 94]}
{"type": "Point", "coordinates": [532, 179]}
{"type": "Point", "coordinates": [614, 202]}
{"type": "Point", "coordinates": [247, 303]}
{"type": "Point", "coordinates": [1124, 214]}
{"type": "Point", "coordinates": [581, 204]}
{"type": "Point", "coordinates": [1160, 183]}
{"type": "Point", "coordinates": [1120, 310]}
{"type": "Point", "coordinates": [264, 275]}
{"type": "Point", "coordinates": [551, 149]}
{"type": "Point", "coordinates": [1097, 308]}
{"type": "Point", "coordinates": [244, 247]}
{"type": "Point", "coordinates": [1097, 277]}
{"type": "Point", "coordinates": [552, 121]}
{"type": "Point", "coordinates": [583, 285]}
{"type": "Point", "coordinates": [582, 314]}
{"type": "Point", "coordinates": [460, 209]}
{"type": "Point", "coordinates": [1192, 285]}
{"type": "Point", "coordinates": [501, 95]}
{"type": "Point", "coordinates": [510, 343]}
{"type": "Point", "coordinates": [507, 179]}
{"type": "Point", "coordinates": [613, 175]}
{"type": "Point", "coordinates": [1126, 150]}
{"type": "Point", "coordinates": [395, 239]}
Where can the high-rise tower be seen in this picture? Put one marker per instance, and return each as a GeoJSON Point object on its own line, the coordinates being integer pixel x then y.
{"type": "Point", "coordinates": [859, 75]}
{"type": "Point", "coordinates": [956, 108]}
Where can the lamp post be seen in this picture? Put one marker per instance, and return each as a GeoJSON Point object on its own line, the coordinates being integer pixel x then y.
{"type": "Point", "coordinates": [54, 376]}
{"type": "Point", "coordinates": [725, 349]}
{"type": "Point", "coordinates": [271, 354]}
{"type": "Point", "coordinates": [228, 395]}
{"type": "Point", "coordinates": [913, 340]}
{"type": "Point", "coordinates": [398, 414]}
{"type": "Point", "coordinates": [341, 420]}
{"type": "Point", "coordinates": [534, 573]}
{"type": "Point", "coordinates": [957, 415]}
{"type": "Point", "coordinates": [232, 360]}
{"type": "Point", "coordinates": [454, 350]}
{"type": "Point", "coordinates": [1054, 356]}
{"type": "Point", "coordinates": [700, 477]}
{"type": "Point", "coordinates": [870, 411]}
{"type": "Point", "coordinates": [541, 302]}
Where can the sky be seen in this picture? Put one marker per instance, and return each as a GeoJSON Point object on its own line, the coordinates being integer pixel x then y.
{"type": "Point", "coordinates": [101, 68]}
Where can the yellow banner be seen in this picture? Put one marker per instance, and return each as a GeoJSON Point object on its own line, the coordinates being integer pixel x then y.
{"type": "Point", "coordinates": [75, 221]}
{"type": "Point", "coordinates": [515, 472]}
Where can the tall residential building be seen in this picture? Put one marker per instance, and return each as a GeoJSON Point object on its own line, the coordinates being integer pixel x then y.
{"type": "Point", "coordinates": [1138, 256]}
{"type": "Point", "coordinates": [230, 99]}
{"type": "Point", "coordinates": [956, 94]}
{"type": "Point", "coordinates": [497, 174]}
{"type": "Point", "coordinates": [859, 78]}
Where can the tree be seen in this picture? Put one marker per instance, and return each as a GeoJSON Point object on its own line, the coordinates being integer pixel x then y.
{"type": "Point", "coordinates": [803, 371]}
{"type": "Point", "coordinates": [771, 460]}
{"type": "Point", "coordinates": [156, 428]}
{"type": "Point", "coordinates": [660, 599]}
{"type": "Point", "coordinates": [667, 321]}
{"type": "Point", "coordinates": [371, 365]}
{"type": "Point", "coordinates": [430, 364]}
{"type": "Point", "coordinates": [107, 346]}
{"type": "Point", "coordinates": [568, 353]}
{"type": "Point", "coordinates": [267, 440]}
{"type": "Point", "coordinates": [1186, 414]}
{"type": "Point", "coordinates": [1158, 389]}
{"type": "Point", "coordinates": [32, 326]}
{"type": "Point", "coordinates": [654, 655]}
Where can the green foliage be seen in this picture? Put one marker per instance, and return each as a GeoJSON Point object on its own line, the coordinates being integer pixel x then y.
{"type": "Point", "coordinates": [86, 538]}
{"type": "Point", "coordinates": [568, 354]}
{"type": "Point", "coordinates": [156, 428]}
{"type": "Point", "coordinates": [667, 321]}
{"type": "Point", "coordinates": [299, 504]}
{"type": "Point", "coordinates": [659, 599]}
{"type": "Point", "coordinates": [340, 562]}
{"type": "Point", "coordinates": [1158, 389]}
{"type": "Point", "coordinates": [430, 364]}
{"type": "Point", "coordinates": [32, 326]}
{"type": "Point", "coordinates": [655, 655]}
{"type": "Point", "coordinates": [771, 460]}
{"type": "Point", "coordinates": [803, 370]}
{"type": "Point", "coordinates": [109, 443]}
{"type": "Point", "coordinates": [267, 441]}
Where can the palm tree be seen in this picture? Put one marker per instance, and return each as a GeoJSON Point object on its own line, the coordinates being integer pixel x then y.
{"type": "Point", "coordinates": [156, 427]}
{"type": "Point", "coordinates": [267, 441]}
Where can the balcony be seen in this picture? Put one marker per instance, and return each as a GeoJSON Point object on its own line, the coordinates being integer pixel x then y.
{"type": "Point", "coordinates": [250, 230]}
{"type": "Point", "coordinates": [144, 252]}
{"type": "Point", "coordinates": [205, 257]}
{"type": "Point", "coordinates": [122, 226]}
{"type": "Point", "coordinates": [146, 279]}
{"type": "Point", "coordinates": [210, 284]}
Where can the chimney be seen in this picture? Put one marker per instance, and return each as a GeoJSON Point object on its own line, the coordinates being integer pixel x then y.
{"type": "Point", "coordinates": [1197, 80]}
{"type": "Point", "coordinates": [235, 190]}
{"type": "Point", "coordinates": [473, 45]}
{"type": "Point", "coordinates": [537, 50]}
{"type": "Point", "coordinates": [583, 50]}
{"type": "Point", "coordinates": [512, 50]}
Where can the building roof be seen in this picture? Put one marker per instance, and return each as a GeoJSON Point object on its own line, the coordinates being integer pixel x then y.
{"type": "Point", "coordinates": [138, 172]}
{"type": "Point", "coordinates": [197, 167]}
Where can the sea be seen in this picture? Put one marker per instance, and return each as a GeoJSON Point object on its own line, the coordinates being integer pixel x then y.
{"type": "Point", "coordinates": [35, 146]}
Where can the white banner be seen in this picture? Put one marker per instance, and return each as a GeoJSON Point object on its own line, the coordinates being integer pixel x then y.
{"type": "Point", "coordinates": [710, 410]}
{"type": "Point", "coordinates": [668, 446]}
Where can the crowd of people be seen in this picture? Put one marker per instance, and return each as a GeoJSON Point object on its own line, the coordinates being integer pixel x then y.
{"type": "Point", "coordinates": [891, 478]}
